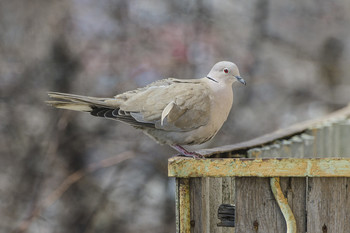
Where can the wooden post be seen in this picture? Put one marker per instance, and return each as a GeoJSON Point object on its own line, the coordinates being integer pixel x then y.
{"type": "Point", "coordinates": [184, 217]}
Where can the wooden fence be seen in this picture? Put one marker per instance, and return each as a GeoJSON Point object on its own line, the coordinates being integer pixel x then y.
{"type": "Point", "coordinates": [292, 180]}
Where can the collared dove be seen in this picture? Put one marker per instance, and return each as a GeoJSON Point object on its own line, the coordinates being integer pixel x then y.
{"type": "Point", "coordinates": [171, 111]}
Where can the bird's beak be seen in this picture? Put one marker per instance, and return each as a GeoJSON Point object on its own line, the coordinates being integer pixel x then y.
{"type": "Point", "coordinates": [240, 79]}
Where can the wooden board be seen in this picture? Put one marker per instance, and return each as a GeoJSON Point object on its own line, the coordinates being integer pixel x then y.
{"type": "Point", "coordinates": [326, 200]}
{"type": "Point", "coordinates": [328, 205]}
{"type": "Point", "coordinates": [207, 194]}
{"type": "Point", "coordinates": [228, 197]}
{"type": "Point", "coordinates": [183, 205]}
{"type": "Point", "coordinates": [294, 189]}
{"type": "Point", "coordinates": [200, 205]}
{"type": "Point", "coordinates": [215, 200]}
{"type": "Point", "coordinates": [277, 167]}
{"type": "Point", "coordinates": [257, 210]}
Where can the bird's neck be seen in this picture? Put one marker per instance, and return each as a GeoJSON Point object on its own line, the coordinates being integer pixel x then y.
{"type": "Point", "coordinates": [218, 85]}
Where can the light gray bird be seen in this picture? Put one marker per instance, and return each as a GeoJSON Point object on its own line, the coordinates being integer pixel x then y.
{"type": "Point", "coordinates": [171, 111]}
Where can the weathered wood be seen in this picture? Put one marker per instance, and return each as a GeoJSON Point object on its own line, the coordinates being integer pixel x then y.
{"type": "Point", "coordinates": [177, 206]}
{"type": "Point", "coordinates": [283, 205]}
{"type": "Point", "coordinates": [298, 167]}
{"type": "Point", "coordinates": [277, 135]}
{"type": "Point", "coordinates": [228, 197]}
{"type": "Point", "coordinates": [256, 208]}
{"type": "Point", "coordinates": [328, 205]}
{"type": "Point", "coordinates": [205, 204]}
{"type": "Point", "coordinates": [294, 190]}
{"type": "Point", "coordinates": [215, 200]}
{"type": "Point", "coordinates": [184, 205]}
{"type": "Point", "coordinates": [197, 208]}
{"type": "Point", "coordinates": [207, 194]}
{"type": "Point", "coordinates": [325, 199]}
{"type": "Point", "coordinates": [257, 211]}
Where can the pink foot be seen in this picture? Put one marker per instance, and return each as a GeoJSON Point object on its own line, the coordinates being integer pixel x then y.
{"type": "Point", "coordinates": [186, 153]}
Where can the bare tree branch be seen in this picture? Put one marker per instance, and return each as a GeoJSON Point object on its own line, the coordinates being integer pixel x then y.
{"type": "Point", "coordinates": [68, 182]}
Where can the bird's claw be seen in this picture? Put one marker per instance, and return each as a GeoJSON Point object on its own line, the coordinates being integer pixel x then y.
{"type": "Point", "coordinates": [190, 154]}
{"type": "Point", "coordinates": [186, 153]}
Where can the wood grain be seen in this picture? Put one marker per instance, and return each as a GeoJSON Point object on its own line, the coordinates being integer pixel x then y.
{"type": "Point", "coordinates": [184, 205]}
{"type": "Point", "coordinates": [256, 208]}
{"type": "Point", "coordinates": [196, 205]}
{"type": "Point", "coordinates": [228, 196]}
{"type": "Point", "coordinates": [207, 194]}
{"type": "Point", "coordinates": [328, 205]}
{"type": "Point", "coordinates": [215, 200]}
{"type": "Point", "coordinates": [294, 189]}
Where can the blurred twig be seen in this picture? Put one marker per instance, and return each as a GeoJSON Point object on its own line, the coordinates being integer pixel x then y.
{"type": "Point", "coordinates": [68, 182]}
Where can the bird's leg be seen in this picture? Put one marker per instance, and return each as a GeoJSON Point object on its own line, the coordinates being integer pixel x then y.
{"type": "Point", "coordinates": [187, 153]}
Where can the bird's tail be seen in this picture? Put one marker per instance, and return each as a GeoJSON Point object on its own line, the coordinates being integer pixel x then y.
{"type": "Point", "coordinates": [79, 102]}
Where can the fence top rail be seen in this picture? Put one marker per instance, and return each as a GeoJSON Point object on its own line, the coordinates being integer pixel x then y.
{"type": "Point", "coordinates": [241, 148]}
{"type": "Point", "coordinates": [275, 167]}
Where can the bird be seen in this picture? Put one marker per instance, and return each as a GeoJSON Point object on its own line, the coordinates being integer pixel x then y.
{"type": "Point", "coordinates": [175, 112]}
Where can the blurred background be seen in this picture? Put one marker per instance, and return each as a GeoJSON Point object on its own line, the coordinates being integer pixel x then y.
{"type": "Point", "coordinates": [294, 56]}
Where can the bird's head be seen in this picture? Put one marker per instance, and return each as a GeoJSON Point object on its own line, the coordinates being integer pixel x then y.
{"type": "Point", "coordinates": [225, 72]}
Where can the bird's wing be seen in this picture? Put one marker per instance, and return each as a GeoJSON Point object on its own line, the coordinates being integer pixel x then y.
{"type": "Point", "coordinates": [170, 104]}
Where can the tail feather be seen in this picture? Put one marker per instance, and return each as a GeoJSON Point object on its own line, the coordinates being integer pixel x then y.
{"type": "Point", "coordinates": [100, 107]}
{"type": "Point", "coordinates": [70, 106]}
{"type": "Point", "coordinates": [77, 102]}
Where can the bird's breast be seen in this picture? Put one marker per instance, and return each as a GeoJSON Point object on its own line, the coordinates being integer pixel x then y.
{"type": "Point", "coordinates": [221, 104]}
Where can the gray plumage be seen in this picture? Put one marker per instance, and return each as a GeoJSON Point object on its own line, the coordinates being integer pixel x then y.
{"type": "Point", "coordinates": [171, 111]}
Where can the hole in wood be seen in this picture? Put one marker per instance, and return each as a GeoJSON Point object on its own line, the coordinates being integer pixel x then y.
{"type": "Point", "coordinates": [226, 215]}
{"type": "Point", "coordinates": [256, 226]}
{"type": "Point", "coordinates": [192, 223]}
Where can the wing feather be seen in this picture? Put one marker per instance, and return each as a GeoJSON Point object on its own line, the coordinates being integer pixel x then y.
{"type": "Point", "coordinates": [169, 104]}
{"type": "Point", "coordinates": [172, 105]}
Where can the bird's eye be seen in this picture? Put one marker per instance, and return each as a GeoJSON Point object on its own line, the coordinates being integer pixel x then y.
{"type": "Point", "coordinates": [225, 70]}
